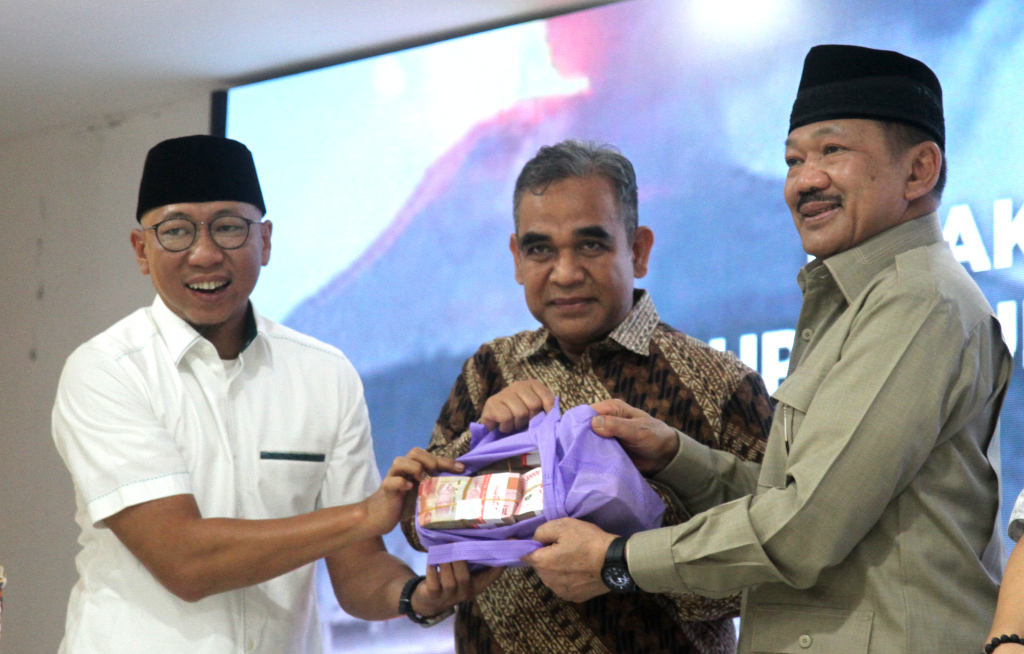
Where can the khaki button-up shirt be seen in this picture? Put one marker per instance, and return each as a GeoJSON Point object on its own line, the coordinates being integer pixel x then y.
{"type": "Point", "coordinates": [869, 527]}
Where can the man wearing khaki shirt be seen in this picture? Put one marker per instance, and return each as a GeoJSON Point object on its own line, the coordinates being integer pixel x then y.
{"type": "Point", "coordinates": [869, 527]}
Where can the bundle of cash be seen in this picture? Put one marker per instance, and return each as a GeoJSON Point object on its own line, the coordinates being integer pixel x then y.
{"type": "Point", "coordinates": [517, 463]}
{"type": "Point", "coordinates": [438, 497]}
{"type": "Point", "coordinates": [483, 500]}
{"type": "Point", "coordinates": [532, 503]}
{"type": "Point", "coordinates": [490, 500]}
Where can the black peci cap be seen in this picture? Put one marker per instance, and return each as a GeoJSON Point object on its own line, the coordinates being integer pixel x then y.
{"type": "Point", "coordinates": [849, 81]}
{"type": "Point", "coordinates": [198, 168]}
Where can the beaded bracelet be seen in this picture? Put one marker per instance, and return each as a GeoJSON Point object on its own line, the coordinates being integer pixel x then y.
{"type": "Point", "coordinates": [996, 642]}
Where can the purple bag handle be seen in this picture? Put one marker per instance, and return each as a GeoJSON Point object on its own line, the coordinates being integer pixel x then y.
{"type": "Point", "coordinates": [483, 553]}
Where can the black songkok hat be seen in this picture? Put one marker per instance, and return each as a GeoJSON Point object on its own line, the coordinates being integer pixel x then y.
{"type": "Point", "coordinates": [198, 168]}
{"type": "Point", "coordinates": [848, 81]}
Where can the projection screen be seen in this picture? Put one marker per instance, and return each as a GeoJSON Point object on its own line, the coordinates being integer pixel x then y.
{"type": "Point", "coordinates": [389, 182]}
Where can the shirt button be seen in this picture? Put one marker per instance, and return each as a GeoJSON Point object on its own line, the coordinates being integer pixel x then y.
{"type": "Point", "coordinates": [250, 645]}
{"type": "Point", "coordinates": [805, 641]}
{"type": "Point", "coordinates": [807, 334]}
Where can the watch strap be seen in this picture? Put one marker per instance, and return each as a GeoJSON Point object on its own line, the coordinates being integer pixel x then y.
{"type": "Point", "coordinates": [615, 571]}
{"type": "Point", "coordinates": [616, 554]}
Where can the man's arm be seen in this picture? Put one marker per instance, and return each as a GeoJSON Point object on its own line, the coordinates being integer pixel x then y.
{"type": "Point", "coordinates": [874, 441]}
{"type": "Point", "coordinates": [702, 477]}
{"type": "Point", "coordinates": [194, 557]}
{"type": "Point", "coordinates": [1009, 617]}
{"type": "Point", "coordinates": [368, 581]}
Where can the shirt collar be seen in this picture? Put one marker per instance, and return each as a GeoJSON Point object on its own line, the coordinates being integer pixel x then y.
{"type": "Point", "coordinates": [854, 269]}
{"type": "Point", "coordinates": [633, 333]}
{"type": "Point", "coordinates": [181, 337]}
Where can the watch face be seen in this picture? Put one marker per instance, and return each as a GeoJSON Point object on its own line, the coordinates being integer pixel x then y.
{"type": "Point", "coordinates": [618, 579]}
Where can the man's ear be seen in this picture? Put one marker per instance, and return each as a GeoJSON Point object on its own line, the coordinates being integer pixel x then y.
{"type": "Point", "coordinates": [138, 240]}
{"type": "Point", "coordinates": [643, 241]}
{"type": "Point", "coordinates": [267, 228]}
{"type": "Point", "coordinates": [513, 246]}
{"type": "Point", "coordinates": [925, 166]}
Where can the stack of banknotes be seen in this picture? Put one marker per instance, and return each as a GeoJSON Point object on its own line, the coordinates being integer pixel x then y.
{"type": "Point", "coordinates": [489, 499]}
{"type": "Point", "coordinates": [532, 503]}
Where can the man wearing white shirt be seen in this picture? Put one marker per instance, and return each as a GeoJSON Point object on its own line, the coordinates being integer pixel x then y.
{"type": "Point", "coordinates": [217, 455]}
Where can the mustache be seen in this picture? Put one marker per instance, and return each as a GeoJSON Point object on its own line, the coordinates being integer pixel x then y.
{"type": "Point", "coordinates": [816, 196]}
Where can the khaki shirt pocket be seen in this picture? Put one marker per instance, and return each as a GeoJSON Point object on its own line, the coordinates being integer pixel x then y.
{"type": "Point", "coordinates": [793, 398]}
{"type": "Point", "coordinates": [780, 629]}
{"type": "Point", "coordinates": [798, 390]}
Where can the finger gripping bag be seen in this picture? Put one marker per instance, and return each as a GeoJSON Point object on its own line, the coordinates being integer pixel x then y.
{"type": "Point", "coordinates": [584, 475]}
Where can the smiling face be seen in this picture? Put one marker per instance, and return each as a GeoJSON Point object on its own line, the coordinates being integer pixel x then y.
{"type": "Point", "coordinates": [844, 184]}
{"type": "Point", "coordinates": [206, 286]}
{"type": "Point", "coordinates": [573, 258]}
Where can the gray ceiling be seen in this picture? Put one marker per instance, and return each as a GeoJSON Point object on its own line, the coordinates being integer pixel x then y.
{"type": "Point", "coordinates": [72, 61]}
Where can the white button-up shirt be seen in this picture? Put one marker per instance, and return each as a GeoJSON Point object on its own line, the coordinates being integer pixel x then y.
{"type": "Point", "coordinates": [147, 410]}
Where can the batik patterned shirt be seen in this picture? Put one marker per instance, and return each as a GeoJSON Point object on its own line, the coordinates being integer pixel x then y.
{"type": "Point", "coordinates": [708, 395]}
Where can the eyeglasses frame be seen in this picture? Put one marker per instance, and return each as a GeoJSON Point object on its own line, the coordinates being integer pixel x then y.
{"type": "Point", "coordinates": [195, 236]}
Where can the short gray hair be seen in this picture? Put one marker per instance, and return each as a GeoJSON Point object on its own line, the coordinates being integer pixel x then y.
{"type": "Point", "coordinates": [579, 159]}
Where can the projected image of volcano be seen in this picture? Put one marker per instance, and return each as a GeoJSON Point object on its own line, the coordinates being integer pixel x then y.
{"type": "Point", "coordinates": [389, 181]}
{"type": "Point", "coordinates": [696, 94]}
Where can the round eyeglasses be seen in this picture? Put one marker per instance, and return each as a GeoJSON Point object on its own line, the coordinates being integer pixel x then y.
{"type": "Point", "coordinates": [177, 234]}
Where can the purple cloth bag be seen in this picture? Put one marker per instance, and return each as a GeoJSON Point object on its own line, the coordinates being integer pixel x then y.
{"type": "Point", "coordinates": [585, 476]}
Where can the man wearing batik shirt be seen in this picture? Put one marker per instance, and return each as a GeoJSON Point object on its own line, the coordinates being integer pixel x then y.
{"type": "Point", "coordinates": [577, 249]}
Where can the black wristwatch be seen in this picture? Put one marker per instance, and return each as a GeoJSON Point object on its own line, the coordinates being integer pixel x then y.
{"type": "Point", "coordinates": [615, 572]}
{"type": "Point", "coordinates": [405, 605]}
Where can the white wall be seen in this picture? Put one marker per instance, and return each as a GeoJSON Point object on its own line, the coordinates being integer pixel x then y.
{"type": "Point", "coordinates": [67, 204]}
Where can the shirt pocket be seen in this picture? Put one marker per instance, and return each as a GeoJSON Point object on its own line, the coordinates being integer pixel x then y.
{"type": "Point", "coordinates": [783, 629]}
{"type": "Point", "coordinates": [793, 398]}
{"type": "Point", "coordinates": [290, 481]}
{"type": "Point", "coordinates": [798, 389]}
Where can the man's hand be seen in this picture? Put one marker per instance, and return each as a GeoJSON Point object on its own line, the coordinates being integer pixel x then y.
{"type": "Point", "coordinates": [396, 498]}
{"type": "Point", "coordinates": [571, 563]}
{"type": "Point", "coordinates": [511, 409]}
{"type": "Point", "coordinates": [650, 443]}
{"type": "Point", "coordinates": [448, 584]}
{"type": "Point", "coordinates": [368, 581]}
